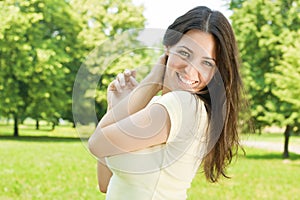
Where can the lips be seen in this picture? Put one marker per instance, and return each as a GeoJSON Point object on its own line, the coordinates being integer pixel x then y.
{"type": "Point", "coordinates": [190, 83]}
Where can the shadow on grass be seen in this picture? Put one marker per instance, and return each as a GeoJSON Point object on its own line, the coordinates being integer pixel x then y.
{"type": "Point", "coordinates": [42, 139]}
{"type": "Point", "coordinates": [272, 156]}
{"type": "Point", "coordinates": [31, 127]}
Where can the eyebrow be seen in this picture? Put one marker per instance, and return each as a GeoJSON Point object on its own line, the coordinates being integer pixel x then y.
{"type": "Point", "coordinates": [209, 58]}
{"type": "Point", "coordinates": [191, 51]}
{"type": "Point", "coordinates": [187, 49]}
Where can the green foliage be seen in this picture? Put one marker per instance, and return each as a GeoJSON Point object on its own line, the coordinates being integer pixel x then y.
{"type": "Point", "coordinates": [103, 19]}
{"type": "Point", "coordinates": [104, 24]}
{"type": "Point", "coordinates": [43, 44]}
{"type": "Point", "coordinates": [34, 57]}
{"type": "Point", "coordinates": [287, 77]}
{"type": "Point", "coordinates": [268, 34]}
{"type": "Point", "coordinates": [236, 4]}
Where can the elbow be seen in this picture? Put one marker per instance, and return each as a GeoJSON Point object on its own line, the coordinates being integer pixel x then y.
{"type": "Point", "coordinates": [100, 145]}
{"type": "Point", "coordinates": [102, 189]}
{"type": "Point", "coordinates": [96, 144]}
{"type": "Point", "coordinates": [92, 145]}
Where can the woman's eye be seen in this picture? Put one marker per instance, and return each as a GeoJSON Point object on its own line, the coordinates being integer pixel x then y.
{"type": "Point", "coordinates": [184, 54]}
{"type": "Point", "coordinates": [207, 63]}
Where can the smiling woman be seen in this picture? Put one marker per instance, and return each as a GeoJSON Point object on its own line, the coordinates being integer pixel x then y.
{"type": "Point", "coordinates": [149, 146]}
{"type": "Point", "coordinates": [191, 62]}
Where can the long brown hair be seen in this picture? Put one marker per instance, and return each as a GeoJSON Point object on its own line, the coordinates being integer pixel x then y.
{"type": "Point", "coordinates": [224, 139]}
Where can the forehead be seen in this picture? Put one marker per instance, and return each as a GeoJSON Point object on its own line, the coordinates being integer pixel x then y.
{"type": "Point", "coordinates": [199, 41]}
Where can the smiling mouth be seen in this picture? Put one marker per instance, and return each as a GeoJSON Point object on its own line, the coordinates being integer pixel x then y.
{"type": "Point", "coordinates": [188, 82]}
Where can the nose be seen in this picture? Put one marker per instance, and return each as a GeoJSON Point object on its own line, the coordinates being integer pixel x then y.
{"type": "Point", "coordinates": [191, 71]}
{"type": "Point", "coordinates": [183, 65]}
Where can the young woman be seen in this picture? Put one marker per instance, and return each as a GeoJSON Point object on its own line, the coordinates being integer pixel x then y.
{"type": "Point", "coordinates": [150, 147]}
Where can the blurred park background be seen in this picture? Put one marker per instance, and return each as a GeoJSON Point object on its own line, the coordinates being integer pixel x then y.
{"type": "Point", "coordinates": [43, 43]}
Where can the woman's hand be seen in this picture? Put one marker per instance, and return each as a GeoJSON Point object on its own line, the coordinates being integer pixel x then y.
{"type": "Point", "coordinates": [158, 71]}
{"type": "Point", "coordinates": [120, 87]}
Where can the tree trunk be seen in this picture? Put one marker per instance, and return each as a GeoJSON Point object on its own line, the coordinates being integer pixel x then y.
{"type": "Point", "coordinates": [287, 134]}
{"type": "Point", "coordinates": [16, 128]}
{"type": "Point", "coordinates": [53, 126]}
{"type": "Point", "coordinates": [37, 124]}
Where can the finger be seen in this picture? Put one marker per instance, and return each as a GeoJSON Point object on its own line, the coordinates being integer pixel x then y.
{"type": "Point", "coordinates": [117, 85]}
{"type": "Point", "coordinates": [162, 59]}
{"type": "Point", "coordinates": [133, 73]}
{"type": "Point", "coordinates": [111, 86]}
{"type": "Point", "coordinates": [133, 81]}
{"type": "Point", "coordinates": [127, 74]}
{"type": "Point", "coordinates": [121, 79]}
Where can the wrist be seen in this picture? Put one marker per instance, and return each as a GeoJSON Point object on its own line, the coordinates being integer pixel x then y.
{"type": "Point", "coordinates": [153, 81]}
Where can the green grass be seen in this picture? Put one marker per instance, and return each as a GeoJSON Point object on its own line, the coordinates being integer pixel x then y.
{"type": "Point", "coordinates": [272, 137]}
{"type": "Point", "coordinates": [56, 165]}
{"type": "Point", "coordinates": [46, 164]}
{"type": "Point", "coordinates": [46, 169]}
{"type": "Point", "coordinates": [258, 175]}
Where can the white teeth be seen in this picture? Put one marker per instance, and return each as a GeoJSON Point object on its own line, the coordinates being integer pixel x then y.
{"type": "Point", "coordinates": [186, 81]}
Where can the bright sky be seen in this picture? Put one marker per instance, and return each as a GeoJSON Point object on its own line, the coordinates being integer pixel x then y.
{"type": "Point", "coordinates": [161, 13]}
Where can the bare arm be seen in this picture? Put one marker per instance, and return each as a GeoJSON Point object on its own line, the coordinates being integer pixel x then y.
{"type": "Point", "coordinates": [130, 125]}
{"type": "Point", "coordinates": [138, 98]}
{"type": "Point", "coordinates": [103, 174]}
{"type": "Point", "coordinates": [146, 128]}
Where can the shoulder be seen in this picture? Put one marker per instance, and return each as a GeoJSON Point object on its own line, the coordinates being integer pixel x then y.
{"type": "Point", "coordinates": [179, 93]}
{"type": "Point", "coordinates": [186, 113]}
{"type": "Point", "coordinates": [177, 98]}
{"type": "Point", "coordinates": [180, 96]}
{"type": "Point", "coordinates": [180, 102]}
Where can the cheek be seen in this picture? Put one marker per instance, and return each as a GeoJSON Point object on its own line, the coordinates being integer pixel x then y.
{"type": "Point", "coordinates": [208, 76]}
{"type": "Point", "coordinates": [174, 62]}
{"type": "Point", "coordinates": [211, 74]}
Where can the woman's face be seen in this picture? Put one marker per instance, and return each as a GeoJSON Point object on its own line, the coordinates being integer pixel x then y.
{"type": "Point", "coordinates": [191, 62]}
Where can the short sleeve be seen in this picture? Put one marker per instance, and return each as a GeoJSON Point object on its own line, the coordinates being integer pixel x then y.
{"type": "Point", "coordinates": [186, 114]}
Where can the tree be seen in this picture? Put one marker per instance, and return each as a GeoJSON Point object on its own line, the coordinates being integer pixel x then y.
{"type": "Point", "coordinates": [43, 44]}
{"type": "Point", "coordinates": [57, 61]}
{"type": "Point", "coordinates": [286, 79]}
{"type": "Point", "coordinates": [266, 33]}
{"type": "Point", "coordinates": [35, 44]}
{"type": "Point", "coordinates": [15, 59]}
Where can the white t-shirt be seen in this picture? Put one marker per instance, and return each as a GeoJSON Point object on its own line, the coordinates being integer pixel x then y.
{"type": "Point", "coordinates": [165, 171]}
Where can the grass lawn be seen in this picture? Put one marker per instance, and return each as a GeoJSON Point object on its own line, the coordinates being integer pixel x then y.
{"type": "Point", "coordinates": [56, 165]}
{"type": "Point", "coordinates": [272, 137]}
{"type": "Point", "coordinates": [46, 165]}
{"type": "Point", "coordinates": [259, 175]}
